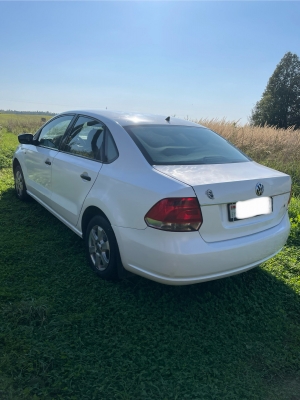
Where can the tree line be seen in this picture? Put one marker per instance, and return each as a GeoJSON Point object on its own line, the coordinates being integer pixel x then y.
{"type": "Point", "coordinates": [27, 112]}
{"type": "Point", "coordinates": [280, 102]}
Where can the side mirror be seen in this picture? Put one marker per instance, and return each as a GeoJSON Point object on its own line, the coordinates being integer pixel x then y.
{"type": "Point", "coordinates": [25, 138]}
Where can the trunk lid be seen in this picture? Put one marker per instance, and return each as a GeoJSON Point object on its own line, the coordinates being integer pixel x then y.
{"type": "Point", "coordinates": [229, 184]}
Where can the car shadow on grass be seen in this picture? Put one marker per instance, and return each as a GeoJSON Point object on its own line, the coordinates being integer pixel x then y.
{"type": "Point", "coordinates": [65, 332]}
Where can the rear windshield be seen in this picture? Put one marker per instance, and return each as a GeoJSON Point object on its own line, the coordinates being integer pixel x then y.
{"type": "Point", "coordinates": [183, 145]}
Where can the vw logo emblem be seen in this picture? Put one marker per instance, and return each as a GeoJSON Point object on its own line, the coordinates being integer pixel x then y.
{"type": "Point", "coordinates": [209, 194]}
{"type": "Point", "coordinates": [259, 189]}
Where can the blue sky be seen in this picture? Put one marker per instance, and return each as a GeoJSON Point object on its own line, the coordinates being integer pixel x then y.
{"type": "Point", "coordinates": [195, 59]}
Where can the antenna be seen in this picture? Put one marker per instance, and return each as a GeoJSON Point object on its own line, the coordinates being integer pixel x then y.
{"type": "Point", "coordinates": [168, 119]}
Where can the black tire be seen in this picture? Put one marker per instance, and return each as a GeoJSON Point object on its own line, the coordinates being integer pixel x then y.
{"type": "Point", "coordinates": [20, 184]}
{"type": "Point", "coordinates": [101, 248]}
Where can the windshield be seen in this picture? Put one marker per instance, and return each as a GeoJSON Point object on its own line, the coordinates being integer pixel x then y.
{"type": "Point", "coordinates": [183, 145]}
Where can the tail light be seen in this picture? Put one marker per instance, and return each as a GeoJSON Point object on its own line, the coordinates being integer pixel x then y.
{"type": "Point", "coordinates": [178, 214]}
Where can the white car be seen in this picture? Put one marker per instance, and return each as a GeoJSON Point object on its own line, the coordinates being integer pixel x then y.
{"type": "Point", "coordinates": [161, 197]}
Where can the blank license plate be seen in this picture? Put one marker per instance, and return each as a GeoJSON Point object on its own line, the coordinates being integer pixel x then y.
{"type": "Point", "coordinates": [249, 208]}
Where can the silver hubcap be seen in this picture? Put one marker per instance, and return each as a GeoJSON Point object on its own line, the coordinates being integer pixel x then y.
{"type": "Point", "coordinates": [19, 183]}
{"type": "Point", "coordinates": [99, 248]}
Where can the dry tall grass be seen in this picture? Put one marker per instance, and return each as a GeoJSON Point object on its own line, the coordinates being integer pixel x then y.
{"type": "Point", "coordinates": [272, 147]}
{"type": "Point", "coordinates": [263, 144]}
{"type": "Point", "coordinates": [18, 123]}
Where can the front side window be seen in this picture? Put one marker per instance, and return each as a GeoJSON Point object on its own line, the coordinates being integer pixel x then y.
{"type": "Point", "coordinates": [183, 145]}
{"type": "Point", "coordinates": [86, 139]}
{"type": "Point", "coordinates": [52, 133]}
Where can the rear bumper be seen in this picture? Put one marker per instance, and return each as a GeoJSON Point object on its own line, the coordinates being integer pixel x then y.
{"type": "Point", "coordinates": [176, 258]}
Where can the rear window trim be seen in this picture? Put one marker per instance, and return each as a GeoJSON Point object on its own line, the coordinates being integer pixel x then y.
{"type": "Point", "coordinates": [153, 163]}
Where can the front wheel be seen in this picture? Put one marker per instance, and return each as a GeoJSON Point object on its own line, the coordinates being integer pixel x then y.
{"type": "Point", "coordinates": [102, 248]}
{"type": "Point", "coordinates": [20, 185]}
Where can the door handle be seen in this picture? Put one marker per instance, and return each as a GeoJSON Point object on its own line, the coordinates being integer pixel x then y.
{"type": "Point", "coordinates": [85, 177]}
{"type": "Point", "coordinates": [48, 162]}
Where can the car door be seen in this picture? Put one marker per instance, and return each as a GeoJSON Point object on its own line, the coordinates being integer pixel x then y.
{"type": "Point", "coordinates": [75, 168]}
{"type": "Point", "coordinates": [38, 158]}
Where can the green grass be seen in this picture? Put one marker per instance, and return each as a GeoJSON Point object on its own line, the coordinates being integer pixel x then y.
{"type": "Point", "coordinates": [66, 334]}
{"type": "Point", "coordinates": [8, 144]}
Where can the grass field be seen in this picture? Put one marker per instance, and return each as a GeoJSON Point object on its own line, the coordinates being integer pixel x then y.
{"type": "Point", "coordinates": [17, 123]}
{"type": "Point", "coordinates": [65, 334]}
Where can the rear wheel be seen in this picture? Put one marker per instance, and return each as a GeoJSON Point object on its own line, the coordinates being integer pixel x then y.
{"type": "Point", "coordinates": [102, 248]}
{"type": "Point", "coordinates": [20, 185]}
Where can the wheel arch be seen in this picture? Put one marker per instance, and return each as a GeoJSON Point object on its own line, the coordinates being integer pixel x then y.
{"type": "Point", "coordinates": [16, 162]}
{"type": "Point", "coordinates": [88, 214]}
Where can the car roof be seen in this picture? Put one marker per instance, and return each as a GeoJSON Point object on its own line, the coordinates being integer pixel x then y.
{"type": "Point", "coordinates": [130, 118]}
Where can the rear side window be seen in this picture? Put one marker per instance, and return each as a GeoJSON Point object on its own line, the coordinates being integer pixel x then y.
{"type": "Point", "coordinates": [183, 145]}
{"type": "Point", "coordinates": [111, 152]}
